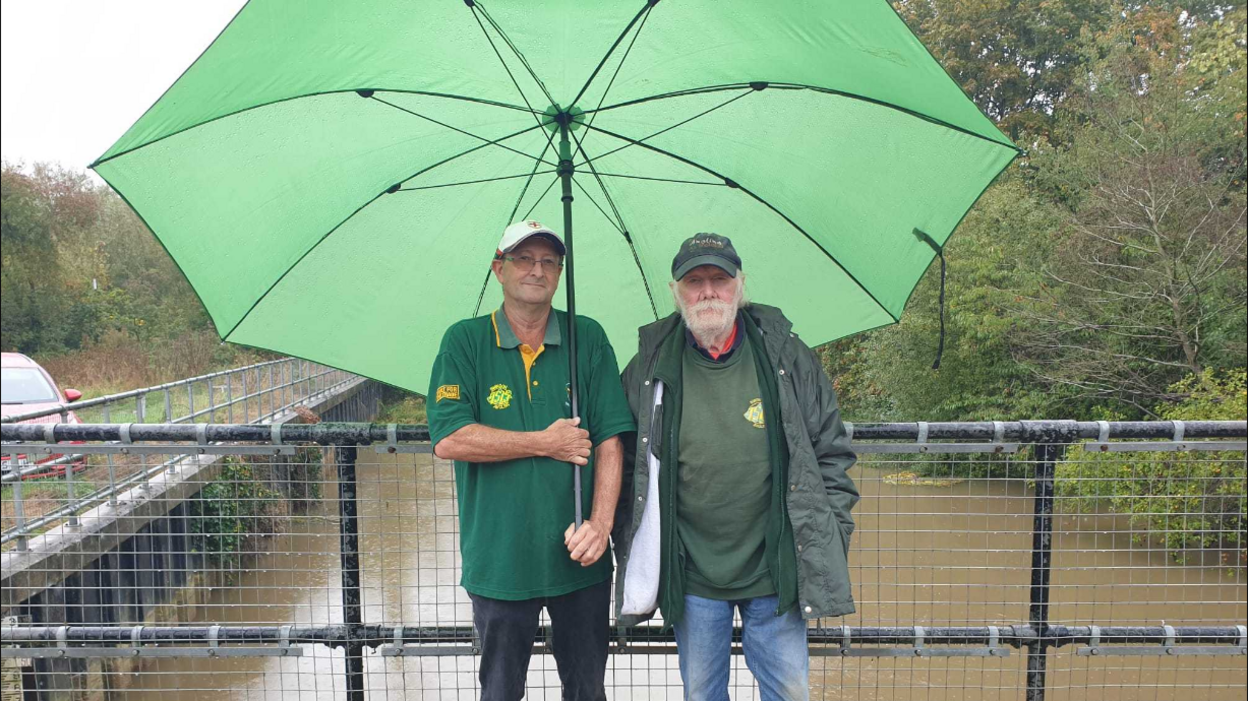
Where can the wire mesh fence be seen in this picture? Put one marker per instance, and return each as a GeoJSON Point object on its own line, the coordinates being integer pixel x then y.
{"type": "Point", "coordinates": [990, 561]}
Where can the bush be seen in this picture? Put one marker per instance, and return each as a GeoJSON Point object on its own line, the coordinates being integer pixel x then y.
{"type": "Point", "coordinates": [400, 407]}
{"type": "Point", "coordinates": [233, 510]}
{"type": "Point", "coordinates": [1185, 500]}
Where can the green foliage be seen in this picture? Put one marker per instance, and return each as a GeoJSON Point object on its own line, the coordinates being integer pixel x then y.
{"type": "Point", "coordinates": [1184, 501]}
{"type": "Point", "coordinates": [1146, 282]}
{"type": "Point", "coordinates": [304, 480]}
{"type": "Point", "coordinates": [1065, 296]}
{"type": "Point", "coordinates": [77, 264]}
{"type": "Point", "coordinates": [400, 407]}
{"type": "Point", "coordinates": [993, 263]}
{"type": "Point", "coordinates": [233, 508]}
{"type": "Point", "coordinates": [1015, 58]}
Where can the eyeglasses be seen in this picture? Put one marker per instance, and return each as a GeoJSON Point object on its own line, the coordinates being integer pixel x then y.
{"type": "Point", "coordinates": [526, 263]}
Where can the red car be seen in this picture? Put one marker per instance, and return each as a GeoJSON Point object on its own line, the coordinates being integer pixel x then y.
{"type": "Point", "coordinates": [26, 387]}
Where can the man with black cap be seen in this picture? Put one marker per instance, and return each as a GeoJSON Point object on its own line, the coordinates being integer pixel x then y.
{"type": "Point", "coordinates": [513, 452]}
{"type": "Point", "coordinates": [735, 493]}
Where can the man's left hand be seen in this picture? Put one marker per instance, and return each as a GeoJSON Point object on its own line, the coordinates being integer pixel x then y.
{"type": "Point", "coordinates": [587, 544]}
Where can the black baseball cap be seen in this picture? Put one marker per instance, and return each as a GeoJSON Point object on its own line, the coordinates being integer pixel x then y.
{"type": "Point", "coordinates": [706, 249]}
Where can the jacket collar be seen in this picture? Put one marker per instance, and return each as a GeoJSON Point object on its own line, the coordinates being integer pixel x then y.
{"type": "Point", "coordinates": [771, 321]}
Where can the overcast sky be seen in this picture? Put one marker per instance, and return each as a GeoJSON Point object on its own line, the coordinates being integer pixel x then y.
{"type": "Point", "coordinates": [75, 74]}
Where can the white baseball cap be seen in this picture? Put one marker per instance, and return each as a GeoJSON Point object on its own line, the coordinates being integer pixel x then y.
{"type": "Point", "coordinates": [515, 234]}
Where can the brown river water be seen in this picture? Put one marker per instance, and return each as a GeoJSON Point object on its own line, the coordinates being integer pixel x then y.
{"type": "Point", "coordinates": [933, 555]}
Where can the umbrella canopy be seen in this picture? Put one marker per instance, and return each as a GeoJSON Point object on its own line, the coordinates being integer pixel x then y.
{"type": "Point", "coordinates": [332, 178]}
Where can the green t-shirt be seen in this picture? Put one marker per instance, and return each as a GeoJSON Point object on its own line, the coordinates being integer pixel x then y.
{"type": "Point", "coordinates": [512, 514]}
{"type": "Point", "coordinates": [724, 479]}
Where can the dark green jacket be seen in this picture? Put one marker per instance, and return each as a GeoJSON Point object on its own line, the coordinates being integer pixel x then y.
{"type": "Point", "coordinates": [820, 494]}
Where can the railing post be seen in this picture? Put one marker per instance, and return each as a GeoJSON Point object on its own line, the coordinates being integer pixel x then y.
{"type": "Point", "coordinates": [112, 470]}
{"type": "Point", "coordinates": [1050, 439]}
{"type": "Point", "coordinates": [349, 553]}
{"type": "Point", "coordinates": [19, 510]}
{"type": "Point", "coordinates": [69, 480]}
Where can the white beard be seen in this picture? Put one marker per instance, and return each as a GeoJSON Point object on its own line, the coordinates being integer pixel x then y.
{"type": "Point", "coordinates": [711, 319]}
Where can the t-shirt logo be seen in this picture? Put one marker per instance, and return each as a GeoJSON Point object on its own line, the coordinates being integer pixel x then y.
{"type": "Point", "coordinates": [499, 397]}
{"type": "Point", "coordinates": [447, 392]}
{"type": "Point", "coordinates": [755, 413]}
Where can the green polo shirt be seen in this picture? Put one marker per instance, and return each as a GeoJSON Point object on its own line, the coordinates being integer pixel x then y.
{"type": "Point", "coordinates": [512, 514]}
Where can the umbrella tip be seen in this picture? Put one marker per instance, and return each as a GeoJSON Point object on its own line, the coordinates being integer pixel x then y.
{"type": "Point", "coordinates": [364, 92]}
{"type": "Point", "coordinates": [759, 85]}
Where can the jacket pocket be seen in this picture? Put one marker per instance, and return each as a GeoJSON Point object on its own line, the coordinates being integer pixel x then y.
{"type": "Point", "coordinates": [836, 553]}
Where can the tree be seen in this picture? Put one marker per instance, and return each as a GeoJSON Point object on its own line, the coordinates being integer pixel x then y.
{"type": "Point", "coordinates": [994, 260]}
{"type": "Point", "coordinates": [1015, 58]}
{"type": "Point", "coordinates": [1147, 283]}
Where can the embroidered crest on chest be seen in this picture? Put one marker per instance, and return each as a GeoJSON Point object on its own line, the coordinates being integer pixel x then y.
{"type": "Point", "coordinates": [754, 414]}
{"type": "Point", "coordinates": [499, 397]}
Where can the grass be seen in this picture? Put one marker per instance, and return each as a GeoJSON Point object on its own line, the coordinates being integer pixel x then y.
{"type": "Point", "coordinates": [119, 362]}
{"type": "Point", "coordinates": [399, 407]}
{"type": "Point", "coordinates": [40, 489]}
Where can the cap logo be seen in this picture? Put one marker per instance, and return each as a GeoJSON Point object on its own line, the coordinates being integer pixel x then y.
{"type": "Point", "coordinates": [708, 242]}
{"type": "Point", "coordinates": [533, 225]}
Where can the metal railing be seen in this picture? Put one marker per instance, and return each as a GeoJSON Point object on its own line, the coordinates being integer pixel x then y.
{"type": "Point", "coordinates": [206, 398]}
{"type": "Point", "coordinates": [259, 393]}
{"type": "Point", "coordinates": [1059, 540]}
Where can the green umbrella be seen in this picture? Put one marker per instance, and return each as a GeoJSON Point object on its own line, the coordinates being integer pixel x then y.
{"type": "Point", "coordinates": [332, 178]}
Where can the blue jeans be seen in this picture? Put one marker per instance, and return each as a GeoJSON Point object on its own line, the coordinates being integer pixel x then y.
{"type": "Point", "coordinates": [775, 649]}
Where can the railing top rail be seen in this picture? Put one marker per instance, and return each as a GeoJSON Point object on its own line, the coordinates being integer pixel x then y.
{"type": "Point", "coordinates": [365, 433]}
{"type": "Point", "coordinates": [129, 394]}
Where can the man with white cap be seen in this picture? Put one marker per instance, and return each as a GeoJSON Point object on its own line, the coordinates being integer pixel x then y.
{"type": "Point", "coordinates": [512, 451]}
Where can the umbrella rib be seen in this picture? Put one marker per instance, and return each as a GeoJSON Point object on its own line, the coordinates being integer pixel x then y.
{"type": "Point", "coordinates": [457, 129]}
{"type": "Point", "coordinates": [661, 180]}
{"type": "Point", "coordinates": [529, 213]}
{"type": "Point", "coordinates": [661, 131]}
{"type": "Point", "coordinates": [799, 86]}
{"type": "Point", "coordinates": [644, 11]}
{"type": "Point", "coordinates": [614, 224]}
{"type": "Point", "coordinates": [492, 103]}
{"type": "Point", "coordinates": [505, 66]}
{"type": "Point", "coordinates": [592, 170]}
{"type": "Point", "coordinates": [618, 66]}
{"type": "Point", "coordinates": [549, 142]}
{"type": "Point", "coordinates": [623, 228]}
{"type": "Point", "coordinates": [481, 295]}
{"type": "Point", "coordinates": [628, 239]}
{"type": "Point", "coordinates": [474, 182]}
{"type": "Point", "coordinates": [523, 61]}
{"type": "Point", "coordinates": [336, 227]}
{"type": "Point", "coordinates": [733, 184]}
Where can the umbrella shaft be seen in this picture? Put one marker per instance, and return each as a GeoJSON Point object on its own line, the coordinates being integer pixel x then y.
{"type": "Point", "coordinates": [565, 179]}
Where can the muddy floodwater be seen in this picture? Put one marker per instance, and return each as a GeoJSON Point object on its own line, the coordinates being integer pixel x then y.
{"type": "Point", "coordinates": [932, 555]}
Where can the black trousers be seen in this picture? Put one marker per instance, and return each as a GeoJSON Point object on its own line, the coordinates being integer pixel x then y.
{"type": "Point", "coordinates": [579, 632]}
